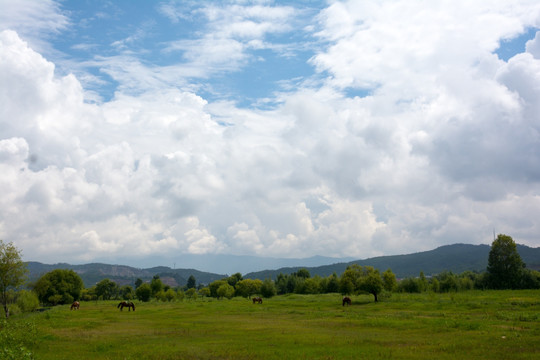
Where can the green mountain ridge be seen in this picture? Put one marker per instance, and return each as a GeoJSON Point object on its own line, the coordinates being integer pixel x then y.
{"type": "Point", "coordinates": [93, 273]}
{"type": "Point", "coordinates": [456, 258]}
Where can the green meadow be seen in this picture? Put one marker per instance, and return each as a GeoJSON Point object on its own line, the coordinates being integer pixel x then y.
{"type": "Point", "coordinates": [463, 325]}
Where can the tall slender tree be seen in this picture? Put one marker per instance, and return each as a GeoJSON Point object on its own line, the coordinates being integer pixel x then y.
{"type": "Point", "coordinates": [191, 282]}
{"type": "Point", "coordinates": [505, 267]}
{"type": "Point", "coordinates": [12, 272]}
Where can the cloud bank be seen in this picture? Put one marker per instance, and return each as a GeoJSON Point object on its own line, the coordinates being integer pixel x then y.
{"type": "Point", "coordinates": [409, 133]}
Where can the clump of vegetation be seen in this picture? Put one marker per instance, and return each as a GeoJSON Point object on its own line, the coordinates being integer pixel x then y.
{"type": "Point", "coordinates": [16, 339]}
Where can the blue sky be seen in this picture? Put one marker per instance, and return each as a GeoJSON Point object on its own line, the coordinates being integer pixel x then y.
{"type": "Point", "coordinates": [136, 130]}
{"type": "Point", "coordinates": [167, 34]}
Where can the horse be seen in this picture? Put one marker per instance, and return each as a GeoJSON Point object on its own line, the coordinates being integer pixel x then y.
{"type": "Point", "coordinates": [75, 305]}
{"type": "Point", "coordinates": [257, 300]}
{"type": "Point", "coordinates": [347, 300]}
{"type": "Point", "coordinates": [124, 304]}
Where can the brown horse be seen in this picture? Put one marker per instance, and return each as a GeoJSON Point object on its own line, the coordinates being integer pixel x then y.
{"type": "Point", "coordinates": [75, 305]}
{"type": "Point", "coordinates": [347, 300]}
{"type": "Point", "coordinates": [257, 300]}
{"type": "Point", "coordinates": [124, 304]}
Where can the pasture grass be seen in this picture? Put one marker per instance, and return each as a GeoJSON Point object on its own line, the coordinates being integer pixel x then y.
{"type": "Point", "coordinates": [472, 325]}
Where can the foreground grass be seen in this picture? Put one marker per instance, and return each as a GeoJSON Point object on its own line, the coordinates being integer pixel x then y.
{"type": "Point", "coordinates": [472, 325]}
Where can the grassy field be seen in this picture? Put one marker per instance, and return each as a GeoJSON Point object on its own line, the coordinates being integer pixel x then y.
{"type": "Point", "coordinates": [468, 325]}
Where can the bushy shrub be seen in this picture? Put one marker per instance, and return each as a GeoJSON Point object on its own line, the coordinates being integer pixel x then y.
{"type": "Point", "coordinates": [27, 301]}
{"type": "Point", "coordinates": [191, 293]}
{"type": "Point", "coordinates": [180, 294]}
{"type": "Point", "coordinates": [170, 295]}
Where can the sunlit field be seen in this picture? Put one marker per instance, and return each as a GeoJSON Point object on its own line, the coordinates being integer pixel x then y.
{"type": "Point", "coordinates": [465, 325]}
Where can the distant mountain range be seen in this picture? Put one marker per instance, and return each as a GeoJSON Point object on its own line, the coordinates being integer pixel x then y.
{"type": "Point", "coordinates": [456, 258]}
{"type": "Point", "coordinates": [93, 273]}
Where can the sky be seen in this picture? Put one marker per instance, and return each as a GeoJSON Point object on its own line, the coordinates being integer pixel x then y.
{"type": "Point", "coordinates": [132, 130]}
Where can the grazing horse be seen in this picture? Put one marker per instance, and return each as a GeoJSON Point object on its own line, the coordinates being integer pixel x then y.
{"type": "Point", "coordinates": [75, 305]}
{"type": "Point", "coordinates": [257, 300]}
{"type": "Point", "coordinates": [124, 304]}
{"type": "Point", "coordinates": [347, 300]}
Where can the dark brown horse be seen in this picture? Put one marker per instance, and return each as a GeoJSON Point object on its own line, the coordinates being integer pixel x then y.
{"type": "Point", "coordinates": [127, 304]}
{"type": "Point", "coordinates": [75, 305]}
{"type": "Point", "coordinates": [257, 300]}
{"type": "Point", "coordinates": [347, 300]}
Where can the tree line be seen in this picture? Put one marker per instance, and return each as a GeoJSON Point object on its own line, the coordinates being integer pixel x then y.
{"type": "Point", "coordinates": [505, 270]}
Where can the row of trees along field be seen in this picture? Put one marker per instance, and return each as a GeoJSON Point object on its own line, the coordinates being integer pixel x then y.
{"type": "Point", "coordinates": [505, 270]}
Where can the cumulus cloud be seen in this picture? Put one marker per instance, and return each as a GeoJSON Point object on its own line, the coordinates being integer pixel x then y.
{"type": "Point", "coordinates": [439, 145]}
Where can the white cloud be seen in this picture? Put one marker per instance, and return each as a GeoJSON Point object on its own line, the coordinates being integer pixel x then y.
{"type": "Point", "coordinates": [33, 20]}
{"type": "Point", "coordinates": [443, 147]}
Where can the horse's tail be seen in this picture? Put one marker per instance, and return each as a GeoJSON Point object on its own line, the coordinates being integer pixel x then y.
{"type": "Point", "coordinates": [133, 306]}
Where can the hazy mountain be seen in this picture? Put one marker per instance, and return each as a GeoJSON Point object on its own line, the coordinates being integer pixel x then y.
{"type": "Point", "coordinates": [224, 264]}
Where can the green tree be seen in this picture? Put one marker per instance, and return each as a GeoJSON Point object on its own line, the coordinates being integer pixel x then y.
{"type": "Point", "coordinates": [89, 294]}
{"type": "Point", "coordinates": [156, 284]}
{"type": "Point", "coordinates": [312, 285]}
{"type": "Point", "coordinates": [59, 286]}
{"type": "Point", "coordinates": [505, 267]}
{"type": "Point", "coordinates": [346, 286]}
{"type": "Point", "coordinates": [248, 287]}
{"type": "Point", "coordinates": [361, 279]}
{"type": "Point", "coordinates": [303, 273]}
{"type": "Point", "coordinates": [409, 285]}
{"type": "Point", "coordinates": [192, 293]}
{"type": "Point", "coordinates": [180, 294]}
{"type": "Point", "coordinates": [204, 292]}
{"type": "Point", "coordinates": [422, 282]}
{"type": "Point", "coordinates": [106, 289]}
{"type": "Point", "coordinates": [448, 282]}
{"type": "Point", "coordinates": [191, 282]}
{"type": "Point", "coordinates": [12, 272]}
{"type": "Point", "coordinates": [281, 283]}
{"type": "Point", "coordinates": [214, 286]}
{"type": "Point", "coordinates": [234, 278]}
{"type": "Point", "coordinates": [126, 292]}
{"type": "Point", "coordinates": [371, 282]}
{"type": "Point", "coordinates": [144, 292]}
{"type": "Point", "coordinates": [225, 290]}
{"type": "Point", "coordinates": [333, 284]}
{"type": "Point", "coordinates": [268, 288]}
{"type": "Point", "coordinates": [389, 280]}
{"type": "Point", "coordinates": [138, 283]}
{"type": "Point", "coordinates": [435, 285]}
{"type": "Point", "coordinates": [170, 295]}
{"type": "Point", "coordinates": [161, 296]}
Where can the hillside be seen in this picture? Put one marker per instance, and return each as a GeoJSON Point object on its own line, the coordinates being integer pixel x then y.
{"type": "Point", "coordinates": [456, 258]}
{"type": "Point", "coordinates": [124, 275]}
